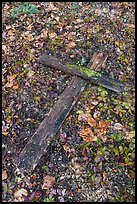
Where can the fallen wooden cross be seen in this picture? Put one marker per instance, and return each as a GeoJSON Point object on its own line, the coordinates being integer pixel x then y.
{"type": "Point", "coordinates": [40, 140]}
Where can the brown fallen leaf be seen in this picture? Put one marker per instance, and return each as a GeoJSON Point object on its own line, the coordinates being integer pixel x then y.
{"type": "Point", "coordinates": [87, 135]}
{"type": "Point", "coordinates": [29, 27]}
{"type": "Point", "coordinates": [78, 20]}
{"type": "Point", "coordinates": [66, 148]}
{"type": "Point", "coordinates": [19, 194]}
{"type": "Point", "coordinates": [103, 124]}
{"type": "Point", "coordinates": [82, 116]}
{"type": "Point", "coordinates": [4, 175]}
{"type": "Point", "coordinates": [11, 77]}
{"type": "Point", "coordinates": [15, 86]}
{"type": "Point", "coordinates": [48, 182]}
{"type": "Point", "coordinates": [71, 45]}
{"type": "Point", "coordinates": [52, 35]}
{"type": "Point", "coordinates": [131, 25]}
{"type": "Point", "coordinates": [51, 7]}
{"type": "Point", "coordinates": [44, 34]}
{"type": "Point", "coordinates": [9, 84]}
{"type": "Point", "coordinates": [29, 37]}
{"type": "Point", "coordinates": [30, 74]}
{"type": "Point", "coordinates": [117, 43]}
{"type": "Point", "coordinates": [11, 32]}
{"type": "Point", "coordinates": [91, 121]}
{"type": "Point", "coordinates": [129, 135]}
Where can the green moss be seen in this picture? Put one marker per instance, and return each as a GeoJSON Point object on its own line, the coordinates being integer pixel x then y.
{"type": "Point", "coordinates": [84, 70]}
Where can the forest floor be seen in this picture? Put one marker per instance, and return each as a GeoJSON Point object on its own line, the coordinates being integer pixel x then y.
{"type": "Point", "coordinates": [92, 158]}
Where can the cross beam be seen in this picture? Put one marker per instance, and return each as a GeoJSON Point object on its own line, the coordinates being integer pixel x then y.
{"type": "Point", "coordinates": [37, 145]}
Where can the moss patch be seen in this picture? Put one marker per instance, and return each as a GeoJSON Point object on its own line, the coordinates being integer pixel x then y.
{"type": "Point", "coordinates": [84, 70]}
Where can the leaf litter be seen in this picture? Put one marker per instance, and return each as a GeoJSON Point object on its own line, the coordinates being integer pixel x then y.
{"type": "Point", "coordinates": [97, 142]}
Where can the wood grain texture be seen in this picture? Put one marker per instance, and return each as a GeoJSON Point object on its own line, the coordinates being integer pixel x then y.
{"type": "Point", "coordinates": [86, 73]}
{"type": "Point", "coordinates": [36, 147]}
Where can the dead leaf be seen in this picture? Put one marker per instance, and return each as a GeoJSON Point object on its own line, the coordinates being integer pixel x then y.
{"type": "Point", "coordinates": [44, 34]}
{"type": "Point", "coordinates": [4, 175]}
{"type": "Point", "coordinates": [29, 37]}
{"type": "Point", "coordinates": [79, 20]}
{"type": "Point", "coordinates": [48, 182]}
{"type": "Point", "coordinates": [52, 35]}
{"type": "Point", "coordinates": [8, 27]}
{"type": "Point", "coordinates": [51, 7]}
{"type": "Point", "coordinates": [9, 84]}
{"type": "Point", "coordinates": [87, 118]}
{"type": "Point", "coordinates": [11, 77]}
{"type": "Point", "coordinates": [12, 38]}
{"type": "Point", "coordinates": [117, 43]}
{"type": "Point", "coordinates": [66, 148]}
{"type": "Point", "coordinates": [57, 18]}
{"type": "Point", "coordinates": [103, 124]}
{"type": "Point", "coordinates": [11, 32]}
{"type": "Point", "coordinates": [91, 122]}
{"type": "Point", "coordinates": [131, 25]}
{"type": "Point", "coordinates": [118, 126]}
{"type": "Point", "coordinates": [129, 135]}
{"type": "Point", "coordinates": [97, 114]}
{"type": "Point", "coordinates": [71, 45]}
{"type": "Point", "coordinates": [18, 194]}
{"type": "Point", "coordinates": [5, 133]}
{"type": "Point", "coordinates": [72, 56]}
{"type": "Point", "coordinates": [82, 116]}
{"type": "Point", "coordinates": [29, 27]}
{"type": "Point", "coordinates": [87, 135]}
{"type": "Point", "coordinates": [4, 47]}
{"type": "Point", "coordinates": [15, 86]}
{"type": "Point", "coordinates": [30, 74]}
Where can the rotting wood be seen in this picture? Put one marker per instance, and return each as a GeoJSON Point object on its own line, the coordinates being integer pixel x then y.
{"type": "Point", "coordinates": [85, 73]}
{"type": "Point", "coordinates": [36, 147]}
{"type": "Point", "coordinates": [38, 143]}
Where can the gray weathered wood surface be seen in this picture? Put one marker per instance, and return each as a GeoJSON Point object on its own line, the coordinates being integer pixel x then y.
{"type": "Point", "coordinates": [37, 145]}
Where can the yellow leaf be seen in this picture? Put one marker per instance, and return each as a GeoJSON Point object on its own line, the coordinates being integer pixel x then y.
{"type": "Point", "coordinates": [66, 148]}
{"type": "Point", "coordinates": [79, 20]}
{"type": "Point", "coordinates": [57, 18]}
{"type": "Point", "coordinates": [5, 133]}
{"type": "Point", "coordinates": [117, 43]}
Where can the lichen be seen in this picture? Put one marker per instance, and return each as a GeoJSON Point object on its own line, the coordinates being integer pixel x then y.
{"type": "Point", "coordinates": [88, 72]}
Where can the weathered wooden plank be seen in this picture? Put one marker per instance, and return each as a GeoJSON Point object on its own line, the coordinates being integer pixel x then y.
{"type": "Point", "coordinates": [84, 72]}
{"type": "Point", "coordinates": [37, 145]}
